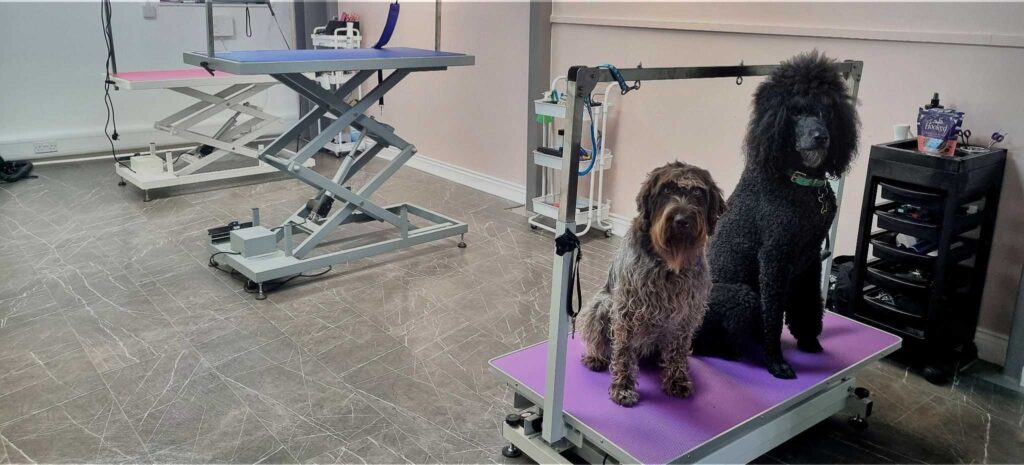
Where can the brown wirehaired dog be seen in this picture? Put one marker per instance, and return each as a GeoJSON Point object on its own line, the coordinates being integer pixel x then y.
{"type": "Point", "coordinates": [658, 284]}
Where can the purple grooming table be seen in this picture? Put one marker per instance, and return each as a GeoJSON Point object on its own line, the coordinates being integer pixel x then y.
{"type": "Point", "coordinates": [727, 395]}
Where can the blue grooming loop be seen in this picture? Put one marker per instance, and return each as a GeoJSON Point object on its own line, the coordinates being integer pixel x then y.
{"type": "Point", "coordinates": [334, 204]}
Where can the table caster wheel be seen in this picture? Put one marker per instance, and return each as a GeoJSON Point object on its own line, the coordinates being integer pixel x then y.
{"type": "Point", "coordinates": [462, 241]}
{"type": "Point", "coordinates": [858, 422]}
{"type": "Point", "coordinates": [608, 233]}
{"type": "Point", "coordinates": [533, 227]}
{"type": "Point", "coordinates": [121, 183]}
{"type": "Point", "coordinates": [511, 451]}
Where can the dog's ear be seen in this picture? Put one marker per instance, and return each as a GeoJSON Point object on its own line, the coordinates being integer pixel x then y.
{"type": "Point", "coordinates": [645, 198]}
{"type": "Point", "coordinates": [769, 134]}
{"type": "Point", "coordinates": [844, 131]}
{"type": "Point", "coordinates": [716, 206]}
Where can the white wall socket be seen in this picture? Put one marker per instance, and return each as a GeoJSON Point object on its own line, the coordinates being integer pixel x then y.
{"type": "Point", "coordinates": [48, 146]}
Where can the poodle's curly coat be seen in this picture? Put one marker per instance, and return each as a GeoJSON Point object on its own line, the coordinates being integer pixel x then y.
{"type": "Point", "coordinates": [765, 256]}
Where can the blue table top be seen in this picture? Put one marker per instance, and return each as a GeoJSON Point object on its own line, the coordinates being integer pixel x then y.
{"type": "Point", "coordinates": [304, 61]}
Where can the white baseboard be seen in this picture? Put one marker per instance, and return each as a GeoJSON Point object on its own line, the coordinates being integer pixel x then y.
{"type": "Point", "coordinates": [479, 181]}
{"type": "Point", "coordinates": [991, 346]}
{"type": "Point", "coordinates": [620, 223]}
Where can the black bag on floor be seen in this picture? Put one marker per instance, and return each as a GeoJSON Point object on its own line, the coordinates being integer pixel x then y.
{"type": "Point", "coordinates": [11, 171]}
{"type": "Point", "coordinates": [840, 285]}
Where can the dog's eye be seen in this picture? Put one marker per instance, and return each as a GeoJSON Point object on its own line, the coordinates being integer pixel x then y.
{"type": "Point", "coordinates": [698, 193]}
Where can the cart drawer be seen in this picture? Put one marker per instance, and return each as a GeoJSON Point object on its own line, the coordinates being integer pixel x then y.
{"type": "Point", "coordinates": [884, 246]}
{"type": "Point", "coordinates": [916, 196]}
{"type": "Point", "coordinates": [888, 219]}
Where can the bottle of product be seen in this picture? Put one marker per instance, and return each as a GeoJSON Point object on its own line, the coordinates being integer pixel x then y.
{"type": "Point", "coordinates": [934, 103]}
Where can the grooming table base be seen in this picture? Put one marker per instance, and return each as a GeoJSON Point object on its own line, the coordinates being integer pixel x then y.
{"type": "Point", "coordinates": [236, 136]}
{"type": "Point", "coordinates": [737, 412]}
{"type": "Point", "coordinates": [146, 182]}
{"type": "Point", "coordinates": [262, 268]}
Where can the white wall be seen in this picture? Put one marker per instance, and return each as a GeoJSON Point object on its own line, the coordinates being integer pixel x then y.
{"type": "Point", "coordinates": [51, 70]}
{"type": "Point", "coordinates": [703, 122]}
{"type": "Point", "coordinates": [470, 116]}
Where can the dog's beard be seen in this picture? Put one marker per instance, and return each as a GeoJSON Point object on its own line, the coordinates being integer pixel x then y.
{"type": "Point", "coordinates": [677, 248]}
{"type": "Point", "coordinates": [813, 158]}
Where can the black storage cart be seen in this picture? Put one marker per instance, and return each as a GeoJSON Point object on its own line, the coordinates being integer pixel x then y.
{"type": "Point", "coordinates": [929, 297]}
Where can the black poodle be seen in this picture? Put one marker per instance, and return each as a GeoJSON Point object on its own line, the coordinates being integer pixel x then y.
{"type": "Point", "coordinates": [765, 255]}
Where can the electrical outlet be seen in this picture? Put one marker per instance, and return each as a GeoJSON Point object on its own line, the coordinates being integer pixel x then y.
{"type": "Point", "coordinates": [47, 146]}
{"type": "Point", "coordinates": [149, 10]}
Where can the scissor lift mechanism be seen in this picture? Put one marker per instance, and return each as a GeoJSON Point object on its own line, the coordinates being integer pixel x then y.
{"type": "Point", "coordinates": [247, 125]}
{"type": "Point", "coordinates": [557, 434]}
{"type": "Point", "coordinates": [350, 206]}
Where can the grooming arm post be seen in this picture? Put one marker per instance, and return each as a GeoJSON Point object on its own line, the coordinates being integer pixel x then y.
{"type": "Point", "coordinates": [852, 78]}
{"type": "Point", "coordinates": [581, 82]}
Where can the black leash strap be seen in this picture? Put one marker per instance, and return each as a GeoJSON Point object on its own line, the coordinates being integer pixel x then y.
{"type": "Point", "coordinates": [569, 243]}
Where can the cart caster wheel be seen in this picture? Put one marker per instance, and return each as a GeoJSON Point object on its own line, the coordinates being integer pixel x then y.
{"type": "Point", "coordinates": [858, 423]}
{"type": "Point", "coordinates": [121, 183]}
{"type": "Point", "coordinates": [608, 233]}
{"type": "Point", "coordinates": [935, 375]}
{"type": "Point", "coordinates": [511, 451]}
{"type": "Point", "coordinates": [462, 245]}
{"type": "Point", "coordinates": [533, 227]}
{"type": "Point", "coordinates": [462, 241]}
{"type": "Point", "coordinates": [968, 353]}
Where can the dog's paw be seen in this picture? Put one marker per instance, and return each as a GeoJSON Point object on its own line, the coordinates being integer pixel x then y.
{"type": "Point", "coordinates": [810, 345]}
{"type": "Point", "coordinates": [677, 387]}
{"type": "Point", "coordinates": [781, 370]}
{"type": "Point", "coordinates": [624, 397]}
{"type": "Point", "coordinates": [595, 363]}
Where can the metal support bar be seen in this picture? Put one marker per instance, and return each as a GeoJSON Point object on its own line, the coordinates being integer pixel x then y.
{"type": "Point", "coordinates": [344, 118]}
{"type": "Point", "coordinates": [579, 87]}
{"type": "Point", "coordinates": [315, 114]}
{"type": "Point", "coordinates": [697, 72]}
{"type": "Point", "coordinates": [335, 103]}
{"type": "Point", "coordinates": [852, 78]}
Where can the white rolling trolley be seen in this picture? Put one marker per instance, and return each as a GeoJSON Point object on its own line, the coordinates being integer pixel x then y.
{"type": "Point", "coordinates": [346, 38]}
{"type": "Point", "coordinates": [593, 210]}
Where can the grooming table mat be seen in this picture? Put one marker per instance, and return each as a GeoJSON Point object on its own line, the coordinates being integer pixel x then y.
{"type": "Point", "coordinates": [175, 78]}
{"type": "Point", "coordinates": [307, 61]}
{"type": "Point", "coordinates": [660, 428]}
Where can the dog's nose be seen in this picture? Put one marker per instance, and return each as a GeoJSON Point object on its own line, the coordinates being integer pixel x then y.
{"type": "Point", "coordinates": [820, 137]}
{"type": "Point", "coordinates": [681, 221]}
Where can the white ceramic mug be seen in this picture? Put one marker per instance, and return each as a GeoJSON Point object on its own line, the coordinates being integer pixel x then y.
{"type": "Point", "coordinates": [901, 131]}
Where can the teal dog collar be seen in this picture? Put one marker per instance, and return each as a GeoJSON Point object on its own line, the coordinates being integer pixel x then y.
{"type": "Point", "coordinates": [802, 179]}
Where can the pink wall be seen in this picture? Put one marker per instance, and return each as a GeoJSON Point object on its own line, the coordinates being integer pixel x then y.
{"type": "Point", "coordinates": [473, 117]}
{"type": "Point", "coordinates": [702, 122]}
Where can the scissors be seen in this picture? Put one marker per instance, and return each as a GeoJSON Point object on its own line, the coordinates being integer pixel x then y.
{"type": "Point", "coordinates": [997, 137]}
{"type": "Point", "coordinates": [965, 136]}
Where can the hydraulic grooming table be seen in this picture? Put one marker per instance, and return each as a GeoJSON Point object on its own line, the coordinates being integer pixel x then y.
{"type": "Point", "coordinates": [233, 136]}
{"type": "Point", "coordinates": [335, 203]}
{"type": "Point", "coordinates": [737, 412]}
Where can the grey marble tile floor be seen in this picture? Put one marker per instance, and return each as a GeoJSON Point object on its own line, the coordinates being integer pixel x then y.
{"type": "Point", "coordinates": [119, 344]}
